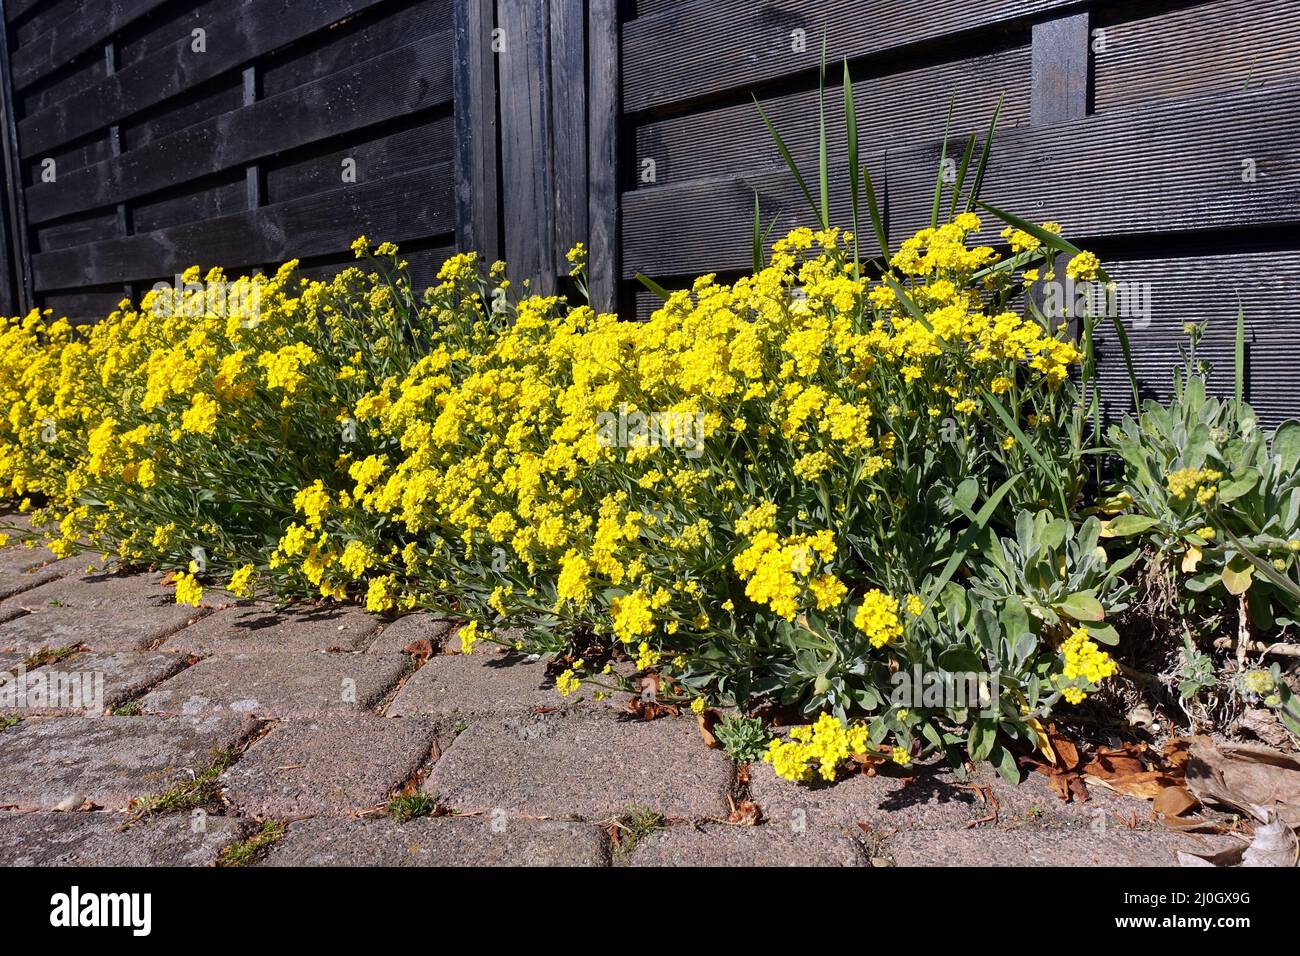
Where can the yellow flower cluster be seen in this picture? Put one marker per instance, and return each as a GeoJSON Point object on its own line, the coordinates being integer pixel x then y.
{"type": "Point", "coordinates": [1084, 661]}
{"type": "Point", "coordinates": [819, 748]}
{"type": "Point", "coordinates": [1201, 483]}
{"type": "Point", "coordinates": [878, 618]}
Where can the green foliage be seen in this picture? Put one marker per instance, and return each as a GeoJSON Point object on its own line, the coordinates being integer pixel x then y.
{"type": "Point", "coordinates": [742, 738]}
{"type": "Point", "coordinates": [1202, 483]}
{"type": "Point", "coordinates": [249, 851]}
{"type": "Point", "coordinates": [1060, 574]}
{"type": "Point", "coordinates": [418, 804]}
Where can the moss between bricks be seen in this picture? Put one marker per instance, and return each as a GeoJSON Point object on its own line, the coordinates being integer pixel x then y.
{"type": "Point", "coordinates": [634, 826]}
{"type": "Point", "coordinates": [248, 851]}
{"type": "Point", "coordinates": [189, 794]}
{"type": "Point", "coordinates": [50, 655]}
{"type": "Point", "coordinates": [410, 806]}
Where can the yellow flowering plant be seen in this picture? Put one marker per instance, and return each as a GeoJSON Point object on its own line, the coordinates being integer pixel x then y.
{"type": "Point", "coordinates": [1204, 484]}
{"type": "Point", "coordinates": [765, 491]}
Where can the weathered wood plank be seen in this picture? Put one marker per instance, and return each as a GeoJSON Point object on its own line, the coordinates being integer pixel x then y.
{"type": "Point", "coordinates": [568, 72]}
{"type": "Point", "coordinates": [13, 9]}
{"type": "Point", "coordinates": [710, 221]}
{"type": "Point", "coordinates": [1059, 87]}
{"type": "Point", "coordinates": [416, 205]}
{"type": "Point", "coordinates": [603, 150]}
{"type": "Point", "coordinates": [410, 78]}
{"type": "Point", "coordinates": [310, 171]}
{"type": "Point", "coordinates": [1218, 46]}
{"type": "Point", "coordinates": [527, 170]}
{"type": "Point", "coordinates": [258, 27]}
{"type": "Point", "coordinates": [692, 50]}
{"type": "Point", "coordinates": [377, 30]}
{"type": "Point", "coordinates": [478, 224]}
{"type": "Point", "coordinates": [1171, 166]}
{"type": "Point", "coordinates": [893, 109]}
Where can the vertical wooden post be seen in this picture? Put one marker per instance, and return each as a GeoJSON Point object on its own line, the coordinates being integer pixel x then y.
{"type": "Point", "coordinates": [474, 83]}
{"type": "Point", "coordinates": [17, 293]}
{"type": "Point", "coordinates": [603, 110]}
{"type": "Point", "coordinates": [527, 159]}
{"type": "Point", "coordinates": [1060, 68]}
{"type": "Point", "coordinates": [568, 71]}
{"type": "Point", "coordinates": [253, 171]}
{"type": "Point", "coordinates": [115, 149]}
{"type": "Point", "coordinates": [1059, 71]}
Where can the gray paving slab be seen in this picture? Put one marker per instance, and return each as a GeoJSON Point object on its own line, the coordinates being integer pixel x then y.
{"type": "Point", "coordinates": [586, 766]}
{"type": "Point", "coordinates": [249, 629]}
{"type": "Point", "coordinates": [89, 683]}
{"type": "Point", "coordinates": [328, 765]}
{"type": "Point", "coordinates": [438, 841]}
{"type": "Point", "coordinates": [278, 684]}
{"type": "Point", "coordinates": [105, 612]}
{"type": "Point", "coordinates": [768, 844]}
{"type": "Point", "coordinates": [46, 761]}
{"type": "Point", "coordinates": [106, 839]}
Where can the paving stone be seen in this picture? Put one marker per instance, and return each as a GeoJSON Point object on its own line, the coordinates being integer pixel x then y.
{"type": "Point", "coordinates": [278, 684]}
{"type": "Point", "coordinates": [587, 766]}
{"type": "Point", "coordinates": [106, 612]}
{"type": "Point", "coordinates": [931, 798]}
{"type": "Point", "coordinates": [11, 612]}
{"type": "Point", "coordinates": [9, 664]}
{"type": "Point", "coordinates": [88, 684]}
{"type": "Point", "coordinates": [260, 627]}
{"type": "Point", "coordinates": [439, 841]}
{"type": "Point", "coordinates": [770, 844]}
{"type": "Point", "coordinates": [108, 760]}
{"type": "Point", "coordinates": [394, 636]}
{"type": "Point", "coordinates": [22, 569]}
{"type": "Point", "coordinates": [467, 685]}
{"type": "Point", "coordinates": [1034, 847]}
{"type": "Point", "coordinates": [332, 764]}
{"type": "Point", "coordinates": [103, 839]}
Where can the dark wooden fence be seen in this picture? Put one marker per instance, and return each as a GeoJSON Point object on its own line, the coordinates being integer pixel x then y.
{"type": "Point", "coordinates": [1163, 134]}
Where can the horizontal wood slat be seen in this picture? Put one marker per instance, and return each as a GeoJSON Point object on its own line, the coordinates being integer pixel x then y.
{"type": "Point", "coordinates": [696, 49]}
{"type": "Point", "coordinates": [1221, 45]}
{"type": "Point", "coordinates": [891, 110]}
{"type": "Point", "coordinates": [409, 79]}
{"type": "Point", "coordinates": [418, 204]}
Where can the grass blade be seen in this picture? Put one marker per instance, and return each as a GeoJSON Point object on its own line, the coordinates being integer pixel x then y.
{"type": "Point", "coordinates": [943, 159]}
{"type": "Point", "coordinates": [758, 236]}
{"type": "Point", "coordinates": [1048, 471]}
{"type": "Point", "coordinates": [823, 172]}
{"type": "Point", "coordinates": [851, 130]}
{"type": "Point", "coordinates": [984, 157]}
{"type": "Point", "coordinates": [873, 209]}
{"type": "Point", "coordinates": [967, 153]}
{"type": "Point", "coordinates": [1240, 353]}
{"type": "Point", "coordinates": [789, 160]}
{"type": "Point", "coordinates": [653, 286]}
